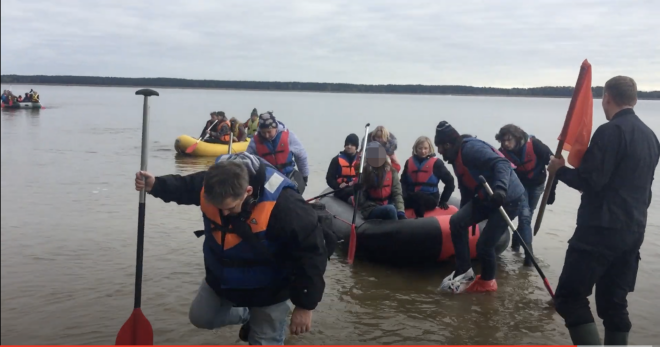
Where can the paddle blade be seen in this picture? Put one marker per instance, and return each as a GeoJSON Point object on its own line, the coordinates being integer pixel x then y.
{"type": "Point", "coordinates": [351, 245]}
{"type": "Point", "coordinates": [136, 331]}
{"type": "Point", "coordinates": [192, 148]}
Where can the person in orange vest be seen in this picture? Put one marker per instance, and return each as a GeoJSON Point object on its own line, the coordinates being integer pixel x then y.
{"type": "Point", "coordinates": [281, 148]}
{"type": "Point", "coordinates": [263, 246]}
{"type": "Point", "coordinates": [531, 156]}
{"type": "Point", "coordinates": [341, 171]}
{"type": "Point", "coordinates": [421, 175]}
{"type": "Point", "coordinates": [386, 139]}
{"type": "Point", "coordinates": [381, 196]}
{"type": "Point", "coordinates": [471, 158]}
{"type": "Point", "coordinates": [223, 130]}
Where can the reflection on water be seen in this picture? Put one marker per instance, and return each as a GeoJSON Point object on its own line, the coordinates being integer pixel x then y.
{"type": "Point", "coordinates": [186, 164]}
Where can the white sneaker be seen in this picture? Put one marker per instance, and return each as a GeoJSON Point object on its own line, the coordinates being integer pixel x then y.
{"type": "Point", "coordinates": [458, 284]}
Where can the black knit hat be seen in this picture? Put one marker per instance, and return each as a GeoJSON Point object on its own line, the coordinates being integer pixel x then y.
{"type": "Point", "coordinates": [254, 112]}
{"type": "Point", "coordinates": [352, 139]}
{"type": "Point", "coordinates": [445, 133]}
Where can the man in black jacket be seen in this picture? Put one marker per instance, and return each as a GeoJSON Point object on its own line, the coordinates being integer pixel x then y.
{"type": "Point", "coordinates": [263, 245]}
{"type": "Point", "coordinates": [615, 178]}
{"type": "Point", "coordinates": [531, 156]}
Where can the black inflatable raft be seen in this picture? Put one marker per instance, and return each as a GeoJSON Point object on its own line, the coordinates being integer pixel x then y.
{"type": "Point", "coordinates": [411, 241]}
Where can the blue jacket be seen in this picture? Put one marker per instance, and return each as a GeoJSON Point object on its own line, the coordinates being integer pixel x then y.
{"type": "Point", "coordinates": [480, 158]}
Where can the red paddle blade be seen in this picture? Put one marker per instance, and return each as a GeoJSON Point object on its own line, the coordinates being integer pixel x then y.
{"type": "Point", "coordinates": [351, 245]}
{"type": "Point", "coordinates": [191, 148]}
{"type": "Point", "coordinates": [136, 331]}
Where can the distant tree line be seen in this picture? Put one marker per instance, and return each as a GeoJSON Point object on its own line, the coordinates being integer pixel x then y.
{"type": "Point", "coordinates": [566, 91]}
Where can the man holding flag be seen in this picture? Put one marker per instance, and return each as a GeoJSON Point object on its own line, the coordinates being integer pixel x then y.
{"type": "Point", "coordinates": [614, 175]}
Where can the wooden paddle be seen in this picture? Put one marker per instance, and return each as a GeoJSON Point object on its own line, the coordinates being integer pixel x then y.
{"type": "Point", "coordinates": [137, 329]}
{"type": "Point", "coordinates": [194, 145]}
{"type": "Point", "coordinates": [353, 240]}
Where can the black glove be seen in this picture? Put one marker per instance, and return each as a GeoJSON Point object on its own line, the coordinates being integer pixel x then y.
{"type": "Point", "coordinates": [305, 179]}
{"type": "Point", "coordinates": [443, 205]}
{"type": "Point", "coordinates": [401, 215]}
{"type": "Point", "coordinates": [497, 199]}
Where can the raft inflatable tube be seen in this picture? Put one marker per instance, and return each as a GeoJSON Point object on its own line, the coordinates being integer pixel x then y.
{"type": "Point", "coordinates": [205, 149]}
{"type": "Point", "coordinates": [24, 105]}
{"type": "Point", "coordinates": [411, 241]}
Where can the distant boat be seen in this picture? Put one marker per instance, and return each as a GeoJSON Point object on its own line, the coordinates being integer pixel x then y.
{"type": "Point", "coordinates": [26, 105]}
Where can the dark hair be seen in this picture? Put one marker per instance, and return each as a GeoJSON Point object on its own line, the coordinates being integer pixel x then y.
{"type": "Point", "coordinates": [622, 90]}
{"type": "Point", "coordinates": [224, 180]}
{"type": "Point", "coordinates": [510, 129]}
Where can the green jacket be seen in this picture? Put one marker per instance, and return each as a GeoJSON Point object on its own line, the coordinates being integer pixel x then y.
{"type": "Point", "coordinates": [366, 206]}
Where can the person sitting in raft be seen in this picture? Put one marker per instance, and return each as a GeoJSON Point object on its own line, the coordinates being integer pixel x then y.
{"type": "Point", "coordinates": [237, 130]}
{"type": "Point", "coordinates": [280, 147]}
{"type": "Point", "coordinates": [252, 124]}
{"type": "Point", "coordinates": [421, 174]}
{"type": "Point", "coordinates": [531, 156]}
{"type": "Point", "coordinates": [210, 126]}
{"type": "Point", "coordinates": [470, 158]}
{"type": "Point", "coordinates": [381, 196]}
{"type": "Point", "coordinates": [262, 246]}
{"type": "Point", "coordinates": [341, 171]}
{"type": "Point", "coordinates": [223, 130]}
{"type": "Point", "coordinates": [34, 96]}
{"type": "Point", "coordinates": [388, 141]}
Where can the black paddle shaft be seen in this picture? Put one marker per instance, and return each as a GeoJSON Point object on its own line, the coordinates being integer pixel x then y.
{"type": "Point", "coordinates": [141, 208]}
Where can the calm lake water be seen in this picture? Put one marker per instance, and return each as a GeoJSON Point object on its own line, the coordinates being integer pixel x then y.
{"type": "Point", "coordinates": [69, 221]}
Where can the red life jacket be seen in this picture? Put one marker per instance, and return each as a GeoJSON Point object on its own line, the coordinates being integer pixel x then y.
{"type": "Point", "coordinates": [346, 170]}
{"type": "Point", "coordinates": [225, 137]}
{"type": "Point", "coordinates": [526, 166]}
{"type": "Point", "coordinates": [422, 178]}
{"type": "Point", "coordinates": [381, 194]}
{"type": "Point", "coordinates": [470, 178]}
{"type": "Point", "coordinates": [276, 152]}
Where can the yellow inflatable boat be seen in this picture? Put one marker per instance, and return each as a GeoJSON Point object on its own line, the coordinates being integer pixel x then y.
{"type": "Point", "coordinates": [205, 149]}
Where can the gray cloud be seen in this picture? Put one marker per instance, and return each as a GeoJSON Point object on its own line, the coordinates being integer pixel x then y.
{"type": "Point", "coordinates": [485, 43]}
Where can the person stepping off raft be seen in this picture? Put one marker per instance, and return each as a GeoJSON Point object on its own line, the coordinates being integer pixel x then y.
{"type": "Point", "coordinates": [262, 246]}
{"type": "Point", "coordinates": [530, 156]}
{"type": "Point", "coordinates": [421, 175]}
{"type": "Point", "coordinates": [281, 148]}
{"type": "Point", "coordinates": [470, 158]}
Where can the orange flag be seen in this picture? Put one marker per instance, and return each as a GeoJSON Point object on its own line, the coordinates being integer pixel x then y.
{"type": "Point", "coordinates": [579, 119]}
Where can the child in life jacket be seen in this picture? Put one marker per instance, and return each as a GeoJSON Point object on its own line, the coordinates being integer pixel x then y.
{"type": "Point", "coordinates": [388, 141]}
{"type": "Point", "coordinates": [381, 196]}
{"type": "Point", "coordinates": [421, 175]}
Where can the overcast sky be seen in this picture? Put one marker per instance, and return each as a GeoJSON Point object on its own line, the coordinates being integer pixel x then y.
{"type": "Point", "coordinates": [499, 43]}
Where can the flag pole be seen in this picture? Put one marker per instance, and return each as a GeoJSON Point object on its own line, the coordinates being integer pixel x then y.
{"type": "Point", "coordinates": [562, 137]}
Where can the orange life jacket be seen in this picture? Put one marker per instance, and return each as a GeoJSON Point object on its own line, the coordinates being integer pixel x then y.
{"type": "Point", "coordinates": [346, 172]}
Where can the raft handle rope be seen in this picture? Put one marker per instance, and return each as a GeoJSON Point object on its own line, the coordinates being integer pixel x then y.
{"type": "Point", "coordinates": [515, 231]}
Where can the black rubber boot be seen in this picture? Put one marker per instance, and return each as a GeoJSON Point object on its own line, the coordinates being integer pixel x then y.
{"type": "Point", "coordinates": [585, 334]}
{"type": "Point", "coordinates": [244, 332]}
{"type": "Point", "coordinates": [616, 338]}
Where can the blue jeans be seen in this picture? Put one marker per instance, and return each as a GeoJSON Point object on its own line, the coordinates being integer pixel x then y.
{"type": "Point", "coordinates": [525, 217]}
{"type": "Point", "coordinates": [460, 224]}
{"type": "Point", "coordinates": [383, 212]}
{"type": "Point", "coordinates": [267, 324]}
